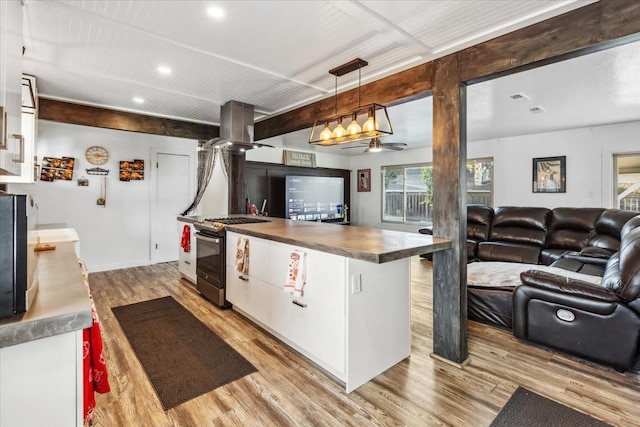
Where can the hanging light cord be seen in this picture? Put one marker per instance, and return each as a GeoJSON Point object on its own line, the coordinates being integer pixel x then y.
{"type": "Point", "coordinates": [359, 84]}
{"type": "Point", "coordinates": [336, 92]}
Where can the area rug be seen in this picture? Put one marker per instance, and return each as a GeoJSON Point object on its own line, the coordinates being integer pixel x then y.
{"type": "Point", "coordinates": [182, 357]}
{"type": "Point", "coordinates": [528, 409]}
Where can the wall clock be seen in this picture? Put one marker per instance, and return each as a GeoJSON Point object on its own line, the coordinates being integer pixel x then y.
{"type": "Point", "coordinates": [97, 155]}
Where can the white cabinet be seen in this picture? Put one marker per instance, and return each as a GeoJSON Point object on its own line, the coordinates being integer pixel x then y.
{"type": "Point", "coordinates": [311, 327]}
{"type": "Point", "coordinates": [353, 318]}
{"type": "Point", "coordinates": [187, 260]}
{"type": "Point", "coordinates": [41, 382]}
{"type": "Point", "coordinates": [11, 141]}
{"type": "Point", "coordinates": [249, 294]}
{"type": "Point", "coordinates": [259, 255]}
{"type": "Point", "coordinates": [29, 132]}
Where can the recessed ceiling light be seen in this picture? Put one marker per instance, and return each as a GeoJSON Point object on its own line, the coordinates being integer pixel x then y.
{"type": "Point", "coordinates": [138, 100]}
{"type": "Point", "coordinates": [216, 12]}
{"type": "Point", "coordinates": [519, 97]}
{"type": "Point", "coordinates": [164, 70]}
{"type": "Point", "coordinates": [537, 109]}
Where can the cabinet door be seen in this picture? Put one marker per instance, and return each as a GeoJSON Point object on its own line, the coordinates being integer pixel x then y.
{"type": "Point", "coordinates": [187, 260]}
{"type": "Point", "coordinates": [11, 87]}
{"type": "Point", "coordinates": [310, 326]}
{"type": "Point", "coordinates": [259, 255]}
{"type": "Point", "coordinates": [325, 275]}
{"type": "Point", "coordinates": [248, 294]}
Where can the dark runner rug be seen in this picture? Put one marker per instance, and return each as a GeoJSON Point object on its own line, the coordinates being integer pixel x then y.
{"type": "Point", "coordinates": [182, 357]}
{"type": "Point", "coordinates": [528, 409]}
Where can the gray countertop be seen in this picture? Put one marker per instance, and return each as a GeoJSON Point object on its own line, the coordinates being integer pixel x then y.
{"type": "Point", "coordinates": [363, 243]}
{"type": "Point", "coordinates": [61, 303]}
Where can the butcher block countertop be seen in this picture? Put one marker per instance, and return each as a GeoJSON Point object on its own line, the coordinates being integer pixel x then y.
{"type": "Point", "coordinates": [363, 243]}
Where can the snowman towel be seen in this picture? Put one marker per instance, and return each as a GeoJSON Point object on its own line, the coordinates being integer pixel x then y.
{"type": "Point", "coordinates": [297, 274]}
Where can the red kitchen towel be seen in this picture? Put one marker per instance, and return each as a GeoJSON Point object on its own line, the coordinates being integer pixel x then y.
{"type": "Point", "coordinates": [95, 377]}
{"type": "Point", "coordinates": [185, 243]}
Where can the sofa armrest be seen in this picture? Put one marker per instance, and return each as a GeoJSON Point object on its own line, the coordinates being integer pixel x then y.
{"type": "Point", "coordinates": [567, 286]}
{"type": "Point", "coordinates": [560, 291]}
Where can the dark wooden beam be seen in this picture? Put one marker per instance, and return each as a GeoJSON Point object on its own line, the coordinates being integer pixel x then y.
{"type": "Point", "coordinates": [77, 114]}
{"type": "Point", "coordinates": [449, 212]}
{"type": "Point", "coordinates": [592, 27]}
{"type": "Point", "coordinates": [409, 83]}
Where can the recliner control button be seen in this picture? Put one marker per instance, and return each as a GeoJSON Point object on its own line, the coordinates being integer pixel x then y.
{"type": "Point", "coordinates": [565, 315]}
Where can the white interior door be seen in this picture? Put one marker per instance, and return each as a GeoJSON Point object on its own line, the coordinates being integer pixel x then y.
{"type": "Point", "coordinates": [173, 194]}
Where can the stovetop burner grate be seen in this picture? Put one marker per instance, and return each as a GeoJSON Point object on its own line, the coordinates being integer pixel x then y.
{"type": "Point", "coordinates": [227, 221]}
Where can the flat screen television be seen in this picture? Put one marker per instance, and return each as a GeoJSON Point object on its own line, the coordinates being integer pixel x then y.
{"type": "Point", "coordinates": [312, 198]}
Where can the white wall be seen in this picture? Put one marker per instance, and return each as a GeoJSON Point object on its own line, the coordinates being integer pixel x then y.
{"type": "Point", "coordinates": [589, 169]}
{"type": "Point", "coordinates": [115, 236]}
{"type": "Point", "coordinates": [366, 207]}
{"type": "Point", "coordinates": [589, 154]}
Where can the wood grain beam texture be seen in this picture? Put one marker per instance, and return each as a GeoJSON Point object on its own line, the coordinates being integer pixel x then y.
{"type": "Point", "coordinates": [77, 114]}
{"type": "Point", "coordinates": [450, 213]}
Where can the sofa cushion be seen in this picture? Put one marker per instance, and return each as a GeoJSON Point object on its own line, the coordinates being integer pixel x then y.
{"type": "Point", "coordinates": [549, 256]}
{"type": "Point", "coordinates": [571, 264]}
{"type": "Point", "coordinates": [478, 222]}
{"type": "Point", "coordinates": [570, 227]}
{"type": "Point", "coordinates": [516, 224]}
{"type": "Point", "coordinates": [510, 252]}
{"type": "Point", "coordinates": [608, 229]}
{"type": "Point", "coordinates": [630, 265]}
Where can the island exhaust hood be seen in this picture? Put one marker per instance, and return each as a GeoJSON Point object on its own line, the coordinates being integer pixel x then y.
{"type": "Point", "coordinates": [236, 127]}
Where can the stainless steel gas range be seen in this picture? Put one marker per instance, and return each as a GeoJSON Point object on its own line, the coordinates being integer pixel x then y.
{"type": "Point", "coordinates": [211, 257]}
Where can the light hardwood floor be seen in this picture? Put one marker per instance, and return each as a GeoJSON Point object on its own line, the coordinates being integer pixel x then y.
{"type": "Point", "coordinates": [288, 390]}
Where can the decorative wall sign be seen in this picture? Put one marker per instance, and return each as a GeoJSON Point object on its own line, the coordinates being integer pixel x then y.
{"type": "Point", "coordinates": [298, 158]}
{"type": "Point", "coordinates": [83, 182]}
{"type": "Point", "coordinates": [550, 174]}
{"type": "Point", "coordinates": [131, 170]}
{"type": "Point", "coordinates": [55, 168]}
{"type": "Point", "coordinates": [364, 180]}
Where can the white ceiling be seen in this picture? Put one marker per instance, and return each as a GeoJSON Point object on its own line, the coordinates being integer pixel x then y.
{"type": "Point", "coordinates": [276, 56]}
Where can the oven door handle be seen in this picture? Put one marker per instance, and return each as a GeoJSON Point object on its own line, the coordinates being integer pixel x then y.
{"type": "Point", "coordinates": [207, 239]}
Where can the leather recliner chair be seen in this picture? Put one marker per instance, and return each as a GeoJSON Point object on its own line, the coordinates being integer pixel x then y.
{"type": "Point", "coordinates": [601, 323]}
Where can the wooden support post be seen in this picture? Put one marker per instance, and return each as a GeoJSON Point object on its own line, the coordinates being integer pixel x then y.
{"type": "Point", "coordinates": [450, 213]}
{"type": "Point", "coordinates": [237, 183]}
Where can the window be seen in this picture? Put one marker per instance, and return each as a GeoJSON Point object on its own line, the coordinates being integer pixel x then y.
{"type": "Point", "coordinates": [408, 190]}
{"type": "Point", "coordinates": [627, 181]}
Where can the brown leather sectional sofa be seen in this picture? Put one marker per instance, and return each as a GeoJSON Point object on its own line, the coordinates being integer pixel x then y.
{"type": "Point", "coordinates": [575, 284]}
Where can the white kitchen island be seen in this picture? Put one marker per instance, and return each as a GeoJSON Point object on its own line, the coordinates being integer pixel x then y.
{"type": "Point", "coordinates": [353, 318]}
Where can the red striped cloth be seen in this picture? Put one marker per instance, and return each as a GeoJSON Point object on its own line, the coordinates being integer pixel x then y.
{"type": "Point", "coordinates": [94, 364]}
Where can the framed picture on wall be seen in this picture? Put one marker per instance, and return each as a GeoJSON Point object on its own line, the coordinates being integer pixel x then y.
{"type": "Point", "coordinates": [364, 180]}
{"type": "Point", "coordinates": [550, 174]}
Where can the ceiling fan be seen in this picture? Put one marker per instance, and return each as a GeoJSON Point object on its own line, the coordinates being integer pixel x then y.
{"type": "Point", "coordinates": [375, 146]}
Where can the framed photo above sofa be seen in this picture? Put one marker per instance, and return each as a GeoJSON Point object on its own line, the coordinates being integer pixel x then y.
{"type": "Point", "coordinates": [550, 174]}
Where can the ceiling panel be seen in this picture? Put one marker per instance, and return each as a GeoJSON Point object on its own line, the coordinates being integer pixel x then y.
{"type": "Point", "coordinates": [276, 56]}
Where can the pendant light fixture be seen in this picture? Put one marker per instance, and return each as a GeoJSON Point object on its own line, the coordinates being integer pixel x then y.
{"type": "Point", "coordinates": [365, 122]}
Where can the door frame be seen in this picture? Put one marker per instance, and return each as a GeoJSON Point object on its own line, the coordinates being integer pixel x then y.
{"type": "Point", "coordinates": [193, 170]}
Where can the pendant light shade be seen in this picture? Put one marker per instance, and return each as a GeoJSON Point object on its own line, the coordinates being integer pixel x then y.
{"type": "Point", "coordinates": [368, 121]}
{"type": "Point", "coordinates": [326, 133]}
{"type": "Point", "coordinates": [354, 128]}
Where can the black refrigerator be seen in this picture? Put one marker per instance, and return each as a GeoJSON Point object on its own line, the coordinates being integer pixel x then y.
{"type": "Point", "coordinates": [14, 260]}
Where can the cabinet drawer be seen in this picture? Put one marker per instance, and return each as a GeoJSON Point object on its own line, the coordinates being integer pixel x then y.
{"type": "Point", "coordinates": [259, 255]}
{"type": "Point", "coordinates": [311, 326]}
{"type": "Point", "coordinates": [250, 295]}
{"type": "Point", "coordinates": [326, 274]}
